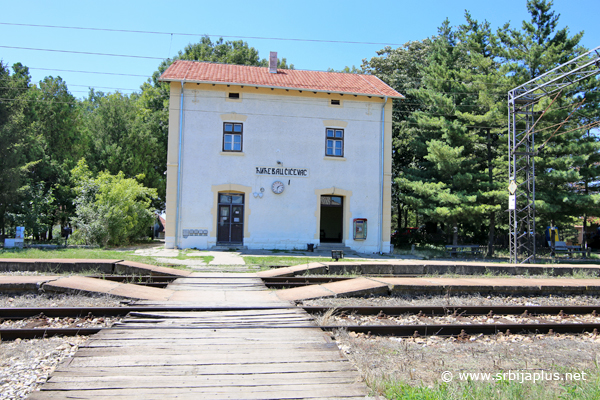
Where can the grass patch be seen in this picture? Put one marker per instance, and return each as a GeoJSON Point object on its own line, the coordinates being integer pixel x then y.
{"type": "Point", "coordinates": [421, 250]}
{"type": "Point", "coordinates": [268, 261]}
{"type": "Point", "coordinates": [95, 253]}
{"type": "Point", "coordinates": [496, 390]}
{"type": "Point", "coordinates": [206, 259]}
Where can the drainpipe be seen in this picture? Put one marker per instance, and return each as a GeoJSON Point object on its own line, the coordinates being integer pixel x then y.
{"type": "Point", "coordinates": [381, 177]}
{"type": "Point", "coordinates": [178, 199]}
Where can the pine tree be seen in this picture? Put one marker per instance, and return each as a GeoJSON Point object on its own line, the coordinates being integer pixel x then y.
{"type": "Point", "coordinates": [563, 150]}
{"type": "Point", "coordinates": [449, 182]}
{"type": "Point", "coordinates": [401, 69]}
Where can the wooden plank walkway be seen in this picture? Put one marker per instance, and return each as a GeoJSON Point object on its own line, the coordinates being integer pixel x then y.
{"type": "Point", "coordinates": [231, 354]}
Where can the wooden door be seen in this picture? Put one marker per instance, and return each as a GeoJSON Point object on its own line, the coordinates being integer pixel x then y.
{"type": "Point", "coordinates": [230, 222]}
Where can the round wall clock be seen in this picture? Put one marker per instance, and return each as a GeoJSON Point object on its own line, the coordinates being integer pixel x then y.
{"type": "Point", "coordinates": [277, 187]}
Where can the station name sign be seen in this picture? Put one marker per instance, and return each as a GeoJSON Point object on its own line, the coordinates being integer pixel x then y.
{"type": "Point", "coordinates": [281, 171]}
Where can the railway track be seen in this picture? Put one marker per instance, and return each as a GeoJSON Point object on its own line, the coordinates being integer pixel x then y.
{"type": "Point", "coordinates": [389, 321]}
{"type": "Point", "coordinates": [299, 281]}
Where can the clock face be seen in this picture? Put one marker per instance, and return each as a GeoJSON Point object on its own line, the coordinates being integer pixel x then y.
{"type": "Point", "coordinates": [277, 187]}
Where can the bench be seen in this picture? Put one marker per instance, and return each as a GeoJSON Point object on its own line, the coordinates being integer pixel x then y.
{"type": "Point", "coordinates": [464, 249]}
{"type": "Point", "coordinates": [562, 247]}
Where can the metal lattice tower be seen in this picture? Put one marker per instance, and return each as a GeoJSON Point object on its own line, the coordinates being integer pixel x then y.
{"type": "Point", "coordinates": [522, 118]}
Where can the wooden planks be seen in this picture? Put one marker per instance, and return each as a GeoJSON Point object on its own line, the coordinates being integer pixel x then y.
{"type": "Point", "coordinates": [240, 354]}
{"type": "Point", "coordinates": [291, 391]}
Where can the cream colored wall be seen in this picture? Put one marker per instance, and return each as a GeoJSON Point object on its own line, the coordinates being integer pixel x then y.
{"type": "Point", "coordinates": [386, 228]}
{"type": "Point", "coordinates": [230, 115]}
{"type": "Point", "coordinates": [172, 164]}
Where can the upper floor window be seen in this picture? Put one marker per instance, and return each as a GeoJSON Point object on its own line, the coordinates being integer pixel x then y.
{"type": "Point", "coordinates": [334, 142]}
{"type": "Point", "coordinates": [232, 136]}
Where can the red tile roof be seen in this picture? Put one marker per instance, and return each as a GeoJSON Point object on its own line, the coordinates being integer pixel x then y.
{"type": "Point", "coordinates": [318, 81]}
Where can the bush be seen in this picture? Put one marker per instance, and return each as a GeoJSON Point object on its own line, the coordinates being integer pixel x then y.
{"type": "Point", "coordinates": [110, 209]}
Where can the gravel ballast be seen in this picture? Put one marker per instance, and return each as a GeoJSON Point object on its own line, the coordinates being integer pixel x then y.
{"type": "Point", "coordinates": [26, 364]}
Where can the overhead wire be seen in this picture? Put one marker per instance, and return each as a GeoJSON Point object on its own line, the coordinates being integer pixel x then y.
{"type": "Point", "coordinates": [81, 52]}
{"type": "Point", "coordinates": [405, 81]}
{"type": "Point", "coordinates": [405, 122]}
{"type": "Point", "coordinates": [201, 34]}
{"type": "Point", "coordinates": [196, 35]}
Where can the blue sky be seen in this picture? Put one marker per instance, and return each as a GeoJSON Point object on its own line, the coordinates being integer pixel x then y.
{"type": "Point", "coordinates": [390, 22]}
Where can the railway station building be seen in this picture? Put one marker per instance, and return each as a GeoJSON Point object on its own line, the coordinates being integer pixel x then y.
{"type": "Point", "coordinates": [267, 158]}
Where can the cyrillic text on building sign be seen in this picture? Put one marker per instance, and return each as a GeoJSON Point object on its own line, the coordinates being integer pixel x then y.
{"type": "Point", "coordinates": [282, 171]}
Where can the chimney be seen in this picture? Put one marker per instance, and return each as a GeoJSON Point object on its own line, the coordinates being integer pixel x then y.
{"type": "Point", "coordinates": [273, 62]}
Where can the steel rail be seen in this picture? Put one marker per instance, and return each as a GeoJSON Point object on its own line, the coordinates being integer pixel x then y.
{"type": "Point", "coordinates": [459, 310]}
{"type": "Point", "coordinates": [376, 330]}
{"type": "Point", "coordinates": [73, 312]}
{"type": "Point", "coordinates": [40, 333]}
{"type": "Point", "coordinates": [468, 329]}
{"type": "Point", "coordinates": [66, 312]}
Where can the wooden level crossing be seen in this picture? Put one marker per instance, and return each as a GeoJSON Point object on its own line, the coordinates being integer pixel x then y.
{"type": "Point", "coordinates": [231, 354]}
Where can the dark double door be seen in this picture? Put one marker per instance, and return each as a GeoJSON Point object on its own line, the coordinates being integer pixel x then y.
{"type": "Point", "coordinates": [230, 225]}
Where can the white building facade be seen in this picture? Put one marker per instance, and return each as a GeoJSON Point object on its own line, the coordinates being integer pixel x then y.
{"type": "Point", "coordinates": [277, 160]}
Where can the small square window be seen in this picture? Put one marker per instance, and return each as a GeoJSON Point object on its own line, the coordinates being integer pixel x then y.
{"type": "Point", "coordinates": [234, 96]}
{"type": "Point", "coordinates": [232, 136]}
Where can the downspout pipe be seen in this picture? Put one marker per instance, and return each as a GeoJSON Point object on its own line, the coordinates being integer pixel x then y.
{"type": "Point", "coordinates": [178, 198]}
{"type": "Point", "coordinates": [381, 177]}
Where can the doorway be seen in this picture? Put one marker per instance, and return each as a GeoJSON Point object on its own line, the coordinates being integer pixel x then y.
{"type": "Point", "coordinates": [332, 219]}
{"type": "Point", "coordinates": [230, 224]}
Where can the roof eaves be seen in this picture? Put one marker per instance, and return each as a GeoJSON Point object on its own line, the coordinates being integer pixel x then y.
{"type": "Point", "coordinates": [283, 87]}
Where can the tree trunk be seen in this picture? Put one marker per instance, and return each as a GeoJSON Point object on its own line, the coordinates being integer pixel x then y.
{"type": "Point", "coordinates": [492, 227]}
{"type": "Point", "coordinates": [583, 233]}
{"type": "Point", "coordinates": [399, 222]}
{"type": "Point", "coordinates": [492, 231]}
{"type": "Point", "coordinates": [454, 233]}
{"type": "Point", "coordinates": [50, 232]}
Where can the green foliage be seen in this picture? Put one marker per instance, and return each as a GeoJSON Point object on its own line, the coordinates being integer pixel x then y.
{"type": "Point", "coordinates": [401, 68]}
{"type": "Point", "coordinates": [110, 209]}
{"type": "Point", "coordinates": [447, 180]}
{"type": "Point", "coordinates": [449, 135]}
{"type": "Point", "coordinates": [15, 142]}
{"type": "Point", "coordinates": [52, 118]}
{"type": "Point", "coordinates": [566, 163]}
{"type": "Point", "coordinates": [125, 137]}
